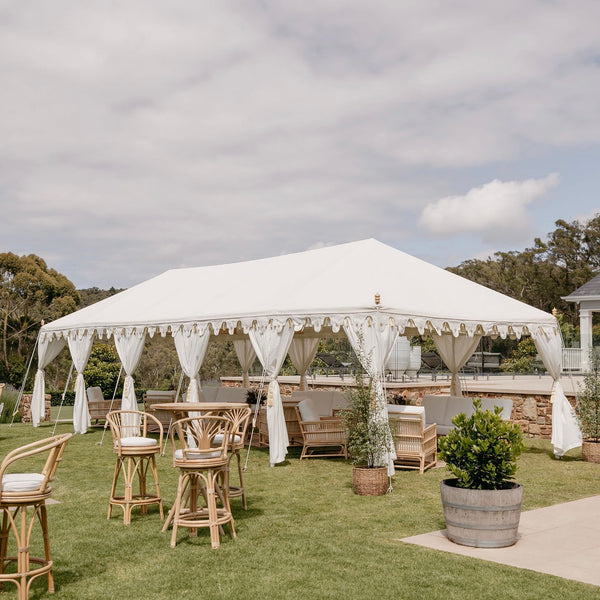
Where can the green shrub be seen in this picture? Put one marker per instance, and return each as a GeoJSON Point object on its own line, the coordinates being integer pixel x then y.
{"type": "Point", "coordinates": [523, 358]}
{"type": "Point", "coordinates": [10, 397]}
{"type": "Point", "coordinates": [588, 403]}
{"type": "Point", "coordinates": [482, 450]}
{"type": "Point", "coordinates": [56, 398]}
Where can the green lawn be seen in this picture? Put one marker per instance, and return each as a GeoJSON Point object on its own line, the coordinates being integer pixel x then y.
{"type": "Point", "coordinates": [305, 535]}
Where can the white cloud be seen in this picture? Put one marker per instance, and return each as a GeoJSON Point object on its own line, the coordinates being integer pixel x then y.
{"type": "Point", "coordinates": [494, 206]}
{"type": "Point", "coordinates": [147, 135]}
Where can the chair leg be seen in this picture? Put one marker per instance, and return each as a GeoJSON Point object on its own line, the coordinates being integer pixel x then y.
{"type": "Point", "coordinates": [118, 466]}
{"type": "Point", "coordinates": [44, 523]}
{"type": "Point", "coordinates": [212, 508]}
{"type": "Point", "coordinates": [241, 478]}
{"type": "Point", "coordinates": [4, 538]}
{"type": "Point", "coordinates": [156, 484]}
{"type": "Point", "coordinates": [226, 503]}
{"type": "Point", "coordinates": [177, 507]}
{"type": "Point", "coordinates": [128, 491]}
{"type": "Point", "coordinates": [142, 468]}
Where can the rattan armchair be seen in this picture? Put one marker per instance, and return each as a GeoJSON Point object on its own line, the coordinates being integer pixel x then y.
{"type": "Point", "coordinates": [136, 453]}
{"type": "Point", "coordinates": [320, 438]}
{"type": "Point", "coordinates": [415, 445]}
{"type": "Point", "coordinates": [19, 492]}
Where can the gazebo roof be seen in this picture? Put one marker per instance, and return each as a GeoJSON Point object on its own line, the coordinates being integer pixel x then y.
{"type": "Point", "coordinates": [588, 291]}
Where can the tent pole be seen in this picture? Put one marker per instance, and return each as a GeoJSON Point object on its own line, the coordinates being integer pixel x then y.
{"type": "Point", "coordinates": [112, 400]}
{"type": "Point", "coordinates": [261, 386]}
{"type": "Point", "coordinates": [62, 399]}
{"type": "Point", "coordinates": [20, 396]}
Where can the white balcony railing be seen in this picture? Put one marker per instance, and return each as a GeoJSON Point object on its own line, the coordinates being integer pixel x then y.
{"type": "Point", "coordinates": [572, 359]}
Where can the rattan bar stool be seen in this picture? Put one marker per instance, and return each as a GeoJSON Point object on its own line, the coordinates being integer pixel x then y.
{"type": "Point", "coordinates": [202, 460]}
{"type": "Point", "coordinates": [240, 417]}
{"type": "Point", "coordinates": [18, 493]}
{"type": "Point", "coordinates": [136, 454]}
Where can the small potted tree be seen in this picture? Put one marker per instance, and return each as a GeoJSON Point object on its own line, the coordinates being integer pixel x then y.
{"type": "Point", "coordinates": [588, 413]}
{"type": "Point", "coordinates": [482, 505]}
{"type": "Point", "coordinates": [368, 439]}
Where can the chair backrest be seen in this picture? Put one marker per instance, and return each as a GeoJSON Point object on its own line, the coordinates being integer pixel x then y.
{"type": "Point", "coordinates": [132, 423]}
{"type": "Point", "coordinates": [405, 409]}
{"type": "Point", "coordinates": [231, 394]}
{"type": "Point", "coordinates": [240, 418]}
{"type": "Point", "coordinates": [54, 446]}
{"type": "Point", "coordinates": [203, 440]}
{"type": "Point", "coordinates": [407, 432]}
{"type": "Point", "coordinates": [94, 394]}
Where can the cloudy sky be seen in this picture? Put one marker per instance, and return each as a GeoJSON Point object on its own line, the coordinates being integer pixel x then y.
{"type": "Point", "coordinates": [145, 135]}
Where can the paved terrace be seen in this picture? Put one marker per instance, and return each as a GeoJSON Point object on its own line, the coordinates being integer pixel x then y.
{"type": "Point", "coordinates": [501, 383]}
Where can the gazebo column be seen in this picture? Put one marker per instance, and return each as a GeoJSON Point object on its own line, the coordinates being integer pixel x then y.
{"type": "Point", "coordinates": [585, 334]}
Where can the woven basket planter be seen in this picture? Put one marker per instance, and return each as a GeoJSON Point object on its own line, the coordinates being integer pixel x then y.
{"type": "Point", "coordinates": [590, 451]}
{"type": "Point", "coordinates": [370, 481]}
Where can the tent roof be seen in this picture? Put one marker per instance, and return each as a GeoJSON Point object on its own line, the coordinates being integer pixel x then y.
{"type": "Point", "coordinates": [317, 288]}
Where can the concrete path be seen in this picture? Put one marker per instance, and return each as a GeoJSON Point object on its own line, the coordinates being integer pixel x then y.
{"type": "Point", "coordinates": [561, 540]}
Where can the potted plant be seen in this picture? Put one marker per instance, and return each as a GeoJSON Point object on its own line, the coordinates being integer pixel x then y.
{"type": "Point", "coordinates": [482, 505]}
{"type": "Point", "coordinates": [368, 439]}
{"type": "Point", "coordinates": [588, 413]}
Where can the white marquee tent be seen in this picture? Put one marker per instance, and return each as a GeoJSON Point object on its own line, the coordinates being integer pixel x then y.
{"type": "Point", "coordinates": [282, 304]}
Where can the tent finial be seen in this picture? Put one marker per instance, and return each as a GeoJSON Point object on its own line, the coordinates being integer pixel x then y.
{"type": "Point", "coordinates": [377, 299]}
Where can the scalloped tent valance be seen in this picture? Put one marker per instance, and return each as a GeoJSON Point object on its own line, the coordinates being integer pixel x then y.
{"type": "Point", "coordinates": [328, 287]}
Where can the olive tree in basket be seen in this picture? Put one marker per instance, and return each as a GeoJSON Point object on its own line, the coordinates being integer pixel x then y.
{"type": "Point", "coordinates": [369, 439]}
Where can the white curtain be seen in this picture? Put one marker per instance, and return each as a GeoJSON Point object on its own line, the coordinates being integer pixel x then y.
{"type": "Point", "coordinates": [80, 348]}
{"type": "Point", "coordinates": [246, 355]}
{"type": "Point", "coordinates": [455, 352]}
{"type": "Point", "coordinates": [565, 429]}
{"type": "Point", "coordinates": [373, 343]}
{"type": "Point", "coordinates": [302, 353]}
{"type": "Point", "coordinates": [271, 347]}
{"type": "Point", "coordinates": [47, 352]}
{"type": "Point", "coordinates": [191, 348]}
{"type": "Point", "coordinates": [129, 348]}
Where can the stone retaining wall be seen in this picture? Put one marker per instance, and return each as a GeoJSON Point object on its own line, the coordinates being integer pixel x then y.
{"type": "Point", "coordinates": [532, 412]}
{"type": "Point", "coordinates": [25, 408]}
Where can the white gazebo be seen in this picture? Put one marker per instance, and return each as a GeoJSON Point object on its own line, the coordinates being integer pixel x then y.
{"type": "Point", "coordinates": [365, 290]}
{"type": "Point", "coordinates": [587, 298]}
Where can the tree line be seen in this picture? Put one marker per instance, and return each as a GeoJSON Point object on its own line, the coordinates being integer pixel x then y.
{"type": "Point", "coordinates": [31, 293]}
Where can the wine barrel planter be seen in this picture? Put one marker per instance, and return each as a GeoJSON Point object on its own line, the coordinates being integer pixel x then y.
{"type": "Point", "coordinates": [482, 518]}
{"type": "Point", "coordinates": [590, 451]}
{"type": "Point", "coordinates": [370, 481]}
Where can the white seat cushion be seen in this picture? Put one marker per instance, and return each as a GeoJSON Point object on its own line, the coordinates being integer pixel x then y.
{"type": "Point", "coordinates": [138, 441]}
{"type": "Point", "coordinates": [309, 410]}
{"type": "Point", "coordinates": [21, 482]}
{"type": "Point", "coordinates": [197, 455]}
